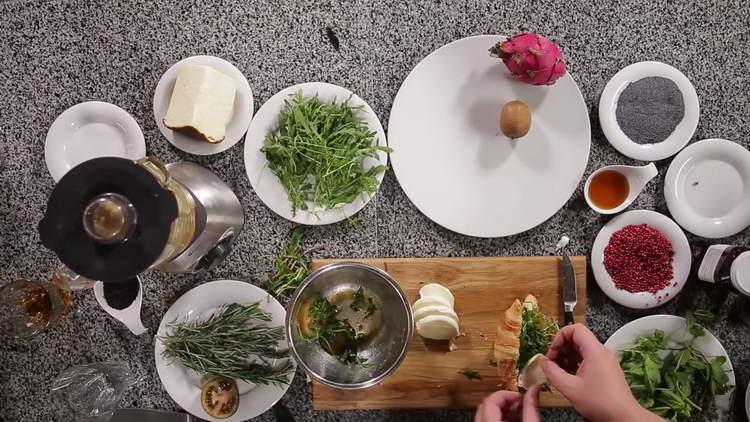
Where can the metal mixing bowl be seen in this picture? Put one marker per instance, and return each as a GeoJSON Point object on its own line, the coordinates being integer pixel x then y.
{"type": "Point", "coordinates": [384, 351]}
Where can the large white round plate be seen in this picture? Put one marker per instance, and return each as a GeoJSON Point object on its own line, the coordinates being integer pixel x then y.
{"type": "Point", "coordinates": [608, 109]}
{"type": "Point", "coordinates": [267, 185]}
{"type": "Point", "coordinates": [91, 130]}
{"type": "Point", "coordinates": [182, 384]}
{"type": "Point", "coordinates": [680, 260]}
{"type": "Point", "coordinates": [707, 188]}
{"type": "Point", "coordinates": [677, 335]}
{"type": "Point", "coordinates": [243, 107]}
{"type": "Point", "coordinates": [453, 163]}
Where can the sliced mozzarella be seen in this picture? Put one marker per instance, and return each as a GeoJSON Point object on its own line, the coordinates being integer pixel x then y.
{"type": "Point", "coordinates": [437, 290]}
{"type": "Point", "coordinates": [530, 302]}
{"type": "Point", "coordinates": [532, 374]}
{"type": "Point", "coordinates": [437, 327]}
{"type": "Point", "coordinates": [425, 311]}
{"type": "Point", "coordinates": [430, 301]}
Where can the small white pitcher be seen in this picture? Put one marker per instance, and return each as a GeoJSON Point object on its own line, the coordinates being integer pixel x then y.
{"type": "Point", "coordinates": [130, 316]}
{"type": "Point", "coordinates": [637, 178]}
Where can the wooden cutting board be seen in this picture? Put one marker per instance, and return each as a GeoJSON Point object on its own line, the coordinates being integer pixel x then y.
{"type": "Point", "coordinates": [483, 287]}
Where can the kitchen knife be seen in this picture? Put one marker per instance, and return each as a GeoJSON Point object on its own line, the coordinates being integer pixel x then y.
{"type": "Point", "coordinates": [570, 297]}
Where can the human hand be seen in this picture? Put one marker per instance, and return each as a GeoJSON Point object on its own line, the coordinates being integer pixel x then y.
{"type": "Point", "coordinates": [510, 406]}
{"type": "Point", "coordinates": [589, 375]}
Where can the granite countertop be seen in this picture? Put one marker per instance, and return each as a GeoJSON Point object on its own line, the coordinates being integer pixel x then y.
{"type": "Point", "coordinates": [55, 54]}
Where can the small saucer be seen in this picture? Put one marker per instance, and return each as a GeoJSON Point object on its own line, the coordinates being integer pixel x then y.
{"type": "Point", "coordinates": [608, 108]}
{"type": "Point", "coordinates": [90, 130]}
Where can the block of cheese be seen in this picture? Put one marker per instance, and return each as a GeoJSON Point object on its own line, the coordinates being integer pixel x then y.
{"type": "Point", "coordinates": [202, 103]}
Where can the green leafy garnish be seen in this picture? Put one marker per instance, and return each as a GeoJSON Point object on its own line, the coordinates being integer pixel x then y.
{"type": "Point", "coordinates": [234, 342]}
{"type": "Point", "coordinates": [318, 153]}
{"type": "Point", "coordinates": [291, 266]}
{"type": "Point", "coordinates": [470, 374]}
{"type": "Point", "coordinates": [335, 336]}
{"type": "Point", "coordinates": [362, 301]}
{"type": "Point", "coordinates": [681, 385]}
{"type": "Point", "coordinates": [537, 332]}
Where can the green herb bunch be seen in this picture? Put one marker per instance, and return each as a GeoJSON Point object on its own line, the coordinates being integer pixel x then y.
{"type": "Point", "coordinates": [680, 385]}
{"type": "Point", "coordinates": [336, 337]}
{"type": "Point", "coordinates": [537, 332]}
{"type": "Point", "coordinates": [234, 342]}
{"type": "Point", "coordinates": [318, 153]}
{"type": "Point", "coordinates": [290, 266]}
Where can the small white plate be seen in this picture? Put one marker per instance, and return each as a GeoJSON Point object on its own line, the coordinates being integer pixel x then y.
{"type": "Point", "coordinates": [243, 107]}
{"type": "Point", "coordinates": [182, 384]}
{"type": "Point", "coordinates": [680, 260]}
{"type": "Point", "coordinates": [267, 185]}
{"type": "Point", "coordinates": [454, 164]}
{"type": "Point", "coordinates": [674, 328]}
{"type": "Point", "coordinates": [89, 130]}
{"type": "Point", "coordinates": [608, 107]}
{"type": "Point", "coordinates": [707, 188]}
{"type": "Point", "coordinates": [747, 402]}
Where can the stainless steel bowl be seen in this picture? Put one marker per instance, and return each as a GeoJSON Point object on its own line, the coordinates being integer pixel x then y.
{"type": "Point", "coordinates": [384, 352]}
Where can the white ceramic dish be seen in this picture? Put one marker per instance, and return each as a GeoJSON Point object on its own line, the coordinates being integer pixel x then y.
{"type": "Point", "coordinates": [637, 178]}
{"type": "Point", "coordinates": [747, 402]}
{"type": "Point", "coordinates": [130, 316]}
{"type": "Point", "coordinates": [182, 384]}
{"type": "Point", "coordinates": [91, 130]}
{"type": "Point", "coordinates": [674, 328]}
{"type": "Point", "coordinates": [267, 185]}
{"type": "Point", "coordinates": [707, 188]}
{"type": "Point", "coordinates": [456, 167]}
{"type": "Point", "coordinates": [243, 107]}
{"type": "Point", "coordinates": [608, 107]}
{"type": "Point", "coordinates": [680, 261]}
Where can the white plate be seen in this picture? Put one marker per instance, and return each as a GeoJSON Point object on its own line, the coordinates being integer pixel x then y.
{"type": "Point", "coordinates": [674, 328]}
{"type": "Point", "coordinates": [243, 107]}
{"type": "Point", "coordinates": [608, 107]}
{"type": "Point", "coordinates": [182, 384]}
{"type": "Point", "coordinates": [267, 185]}
{"type": "Point", "coordinates": [707, 188]}
{"type": "Point", "coordinates": [457, 168]}
{"type": "Point", "coordinates": [89, 130]}
{"type": "Point", "coordinates": [680, 260]}
{"type": "Point", "coordinates": [747, 401]}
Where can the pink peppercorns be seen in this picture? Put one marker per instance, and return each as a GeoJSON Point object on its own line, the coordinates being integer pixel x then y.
{"type": "Point", "coordinates": [639, 259]}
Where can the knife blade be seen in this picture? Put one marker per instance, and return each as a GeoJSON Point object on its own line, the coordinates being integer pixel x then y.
{"type": "Point", "coordinates": [570, 297]}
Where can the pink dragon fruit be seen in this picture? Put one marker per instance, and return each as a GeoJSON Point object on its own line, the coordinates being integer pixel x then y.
{"type": "Point", "coordinates": [531, 58]}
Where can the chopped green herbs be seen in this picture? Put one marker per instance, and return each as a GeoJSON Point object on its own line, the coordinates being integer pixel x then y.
{"type": "Point", "coordinates": [470, 374]}
{"type": "Point", "coordinates": [362, 301]}
{"type": "Point", "coordinates": [537, 332]}
{"type": "Point", "coordinates": [291, 266]}
{"type": "Point", "coordinates": [318, 153]}
{"type": "Point", "coordinates": [335, 336]}
{"type": "Point", "coordinates": [681, 385]}
{"type": "Point", "coordinates": [234, 342]}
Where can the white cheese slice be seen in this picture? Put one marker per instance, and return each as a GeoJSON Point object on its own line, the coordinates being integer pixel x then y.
{"type": "Point", "coordinates": [437, 327]}
{"type": "Point", "coordinates": [435, 310]}
{"type": "Point", "coordinates": [434, 289]}
{"type": "Point", "coordinates": [202, 103]}
{"type": "Point", "coordinates": [430, 301]}
{"type": "Point", "coordinates": [532, 373]}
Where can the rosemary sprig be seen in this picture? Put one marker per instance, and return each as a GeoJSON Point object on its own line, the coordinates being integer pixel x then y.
{"type": "Point", "coordinates": [291, 266]}
{"type": "Point", "coordinates": [318, 151]}
{"type": "Point", "coordinates": [234, 342]}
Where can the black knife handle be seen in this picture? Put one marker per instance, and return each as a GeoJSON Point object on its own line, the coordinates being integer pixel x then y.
{"type": "Point", "coordinates": [569, 318]}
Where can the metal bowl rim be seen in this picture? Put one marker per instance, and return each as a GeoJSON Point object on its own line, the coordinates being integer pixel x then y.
{"type": "Point", "coordinates": [312, 277]}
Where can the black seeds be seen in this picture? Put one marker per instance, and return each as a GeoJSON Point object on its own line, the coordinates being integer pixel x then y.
{"type": "Point", "coordinates": [121, 295]}
{"type": "Point", "coordinates": [649, 109]}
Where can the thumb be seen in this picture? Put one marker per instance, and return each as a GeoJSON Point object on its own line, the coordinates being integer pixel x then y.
{"type": "Point", "coordinates": [530, 405]}
{"type": "Point", "coordinates": [569, 385]}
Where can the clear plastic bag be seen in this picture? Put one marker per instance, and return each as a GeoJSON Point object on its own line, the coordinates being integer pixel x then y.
{"type": "Point", "coordinates": [94, 391]}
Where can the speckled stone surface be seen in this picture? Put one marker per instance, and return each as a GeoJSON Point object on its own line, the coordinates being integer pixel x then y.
{"type": "Point", "coordinates": [54, 54]}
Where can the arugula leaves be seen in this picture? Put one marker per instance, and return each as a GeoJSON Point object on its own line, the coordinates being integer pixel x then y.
{"type": "Point", "coordinates": [677, 385]}
{"type": "Point", "coordinates": [537, 332]}
{"type": "Point", "coordinates": [335, 336]}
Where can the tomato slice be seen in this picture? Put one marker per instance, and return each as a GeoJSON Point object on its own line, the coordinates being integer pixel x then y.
{"type": "Point", "coordinates": [220, 397]}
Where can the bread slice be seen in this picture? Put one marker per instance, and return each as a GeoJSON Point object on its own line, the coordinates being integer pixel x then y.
{"type": "Point", "coordinates": [508, 342]}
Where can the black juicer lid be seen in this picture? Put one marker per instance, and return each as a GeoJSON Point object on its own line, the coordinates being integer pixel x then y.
{"type": "Point", "coordinates": [62, 229]}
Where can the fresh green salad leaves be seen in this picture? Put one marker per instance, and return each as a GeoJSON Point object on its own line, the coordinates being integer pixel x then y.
{"type": "Point", "coordinates": [674, 383]}
{"type": "Point", "coordinates": [318, 153]}
{"type": "Point", "coordinates": [291, 266]}
{"type": "Point", "coordinates": [537, 332]}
